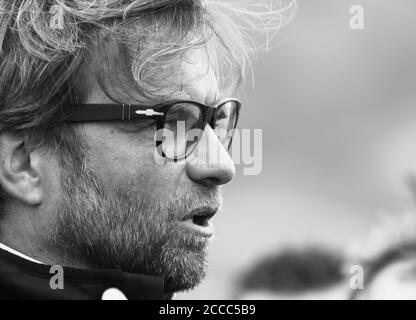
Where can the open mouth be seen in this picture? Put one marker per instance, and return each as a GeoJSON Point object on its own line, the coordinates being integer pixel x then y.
{"type": "Point", "coordinates": [202, 219]}
{"type": "Point", "coordinates": [199, 221]}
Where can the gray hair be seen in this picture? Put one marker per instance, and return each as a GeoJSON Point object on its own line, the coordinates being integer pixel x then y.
{"type": "Point", "coordinates": [42, 61]}
{"type": "Point", "coordinates": [48, 46]}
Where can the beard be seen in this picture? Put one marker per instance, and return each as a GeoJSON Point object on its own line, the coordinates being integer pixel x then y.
{"type": "Point", "coordinates": [120, 227]}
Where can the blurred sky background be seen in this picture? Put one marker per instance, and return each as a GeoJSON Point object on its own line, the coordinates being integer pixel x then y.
{"type": "Point", "coordinates": [337, 109]}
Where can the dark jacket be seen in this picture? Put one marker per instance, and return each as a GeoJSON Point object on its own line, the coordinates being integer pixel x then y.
{"type": "Point", "coordinates": [24, 279]}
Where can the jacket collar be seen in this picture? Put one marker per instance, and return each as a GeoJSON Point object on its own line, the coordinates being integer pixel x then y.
{"type": "Point", "coordinates": [24, 278]}
{"type": "Point", "coordinates": [17, 253]}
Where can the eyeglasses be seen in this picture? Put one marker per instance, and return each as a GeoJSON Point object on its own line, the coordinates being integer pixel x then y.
{"type": "Point", "coordinates": [180, 124]}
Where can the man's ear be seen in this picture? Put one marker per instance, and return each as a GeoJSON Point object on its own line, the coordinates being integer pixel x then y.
{"type": "Point", "coordinates": [19, 169]}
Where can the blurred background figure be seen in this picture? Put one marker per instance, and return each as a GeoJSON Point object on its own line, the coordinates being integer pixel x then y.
{"type": "Point", "coordinates": [310, 273]}
{"type": "Point", "coordinates": [391, 276]}
{"type": "Point", "coordinates": [389, 260]}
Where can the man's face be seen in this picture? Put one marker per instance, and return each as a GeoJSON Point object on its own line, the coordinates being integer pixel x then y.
{"type": "Point", "coordinates": [119, 208]}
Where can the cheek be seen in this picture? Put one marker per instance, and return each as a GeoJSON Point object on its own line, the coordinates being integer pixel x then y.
{"type": "Point", "coordinates": [51, 184]}
{"type": "Point", "coordinates": [128, 158]}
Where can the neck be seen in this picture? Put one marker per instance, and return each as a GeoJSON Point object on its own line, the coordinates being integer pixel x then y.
{"type": "Point", "coordinates": [40, 254]}
{"type": "Point", "coordinates": [17, 253]}
{"type": "Point", "coordinates": [21, 231]}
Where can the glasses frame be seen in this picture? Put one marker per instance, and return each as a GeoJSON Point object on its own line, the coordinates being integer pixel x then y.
{"type": "Point", "coordinates": [96, 112]}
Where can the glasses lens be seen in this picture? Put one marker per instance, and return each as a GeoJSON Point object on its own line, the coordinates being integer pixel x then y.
{"type": "Point", "coordinates": [226, 122]}
{"type": "Point", "coordinates": [182, 129]}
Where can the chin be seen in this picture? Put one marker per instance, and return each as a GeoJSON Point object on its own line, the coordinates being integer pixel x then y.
{"type": "Point", "coordinates": [184, 269]}
{"type": "Point", "coordinates": [182, 283]}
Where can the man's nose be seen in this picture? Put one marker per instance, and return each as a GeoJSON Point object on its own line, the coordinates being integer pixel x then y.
{"type": "Point", "coordinates": [210, 162]}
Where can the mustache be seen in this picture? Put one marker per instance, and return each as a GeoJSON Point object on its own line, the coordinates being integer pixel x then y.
{"type": "Point", "coordinates": [194, 198]}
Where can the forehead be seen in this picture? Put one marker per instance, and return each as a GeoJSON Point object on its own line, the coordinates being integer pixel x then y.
{"type": "Point", "coordinates": [193, 78]}
{"type": "Point", "coordinates": [197, 76]}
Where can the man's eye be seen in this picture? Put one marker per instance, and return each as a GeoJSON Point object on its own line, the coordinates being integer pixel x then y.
{"type": "Point", "coordinates": [223, 113]}
{"type": "Point", "coordinates": [221, 116]}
